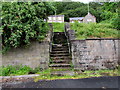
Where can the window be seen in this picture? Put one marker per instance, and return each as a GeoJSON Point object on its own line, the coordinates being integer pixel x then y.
{"type": "Point", "coordinates": [49, 18]}
{"type": "Point", "coordinates": [59, 18]}
{"type": "Point", "coordinates": [54, 18]}
{"type": "Point", "coordinates": [89, 20]}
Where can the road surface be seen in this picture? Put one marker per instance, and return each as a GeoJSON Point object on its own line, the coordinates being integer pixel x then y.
{"type": "Point", "coordinates": [101, 82]}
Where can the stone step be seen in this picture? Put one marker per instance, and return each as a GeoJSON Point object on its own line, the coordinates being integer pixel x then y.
{"type": "Point", "coordinates": [58, 37]}
{"type": "Point", "coordinates": [64, 54]}
{"type": "Point", "coordinates": [58, 40]}
{"type": "Point", "coordinates": [60, 65]}
{"type": "Point", "coordinates": [60, 49]}
{"type": "Point", "coordinates": [58, 68]}
{"type": "Point", "coordinates": [59, 52]}
{"type": "Point", "coordinates": [62, 73]}
{"type": "Point", "coordinates": [60, 61]}
{"type": "Point", "coordinates": [65, 44]}
{"type": "Point", "coordinates": [65, 50]}
{"type": "Point", "coordinates": [59, 33]}
{"type": "Point", "coordinates": [61, 58]}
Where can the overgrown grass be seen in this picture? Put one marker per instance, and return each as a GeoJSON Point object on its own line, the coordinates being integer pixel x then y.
{"type": "Point", "coordinates": [17, 70]}
{"type": "Point", "coordinates": [94, 30]}
{"type": "Point", "coordinates": [58, 27]}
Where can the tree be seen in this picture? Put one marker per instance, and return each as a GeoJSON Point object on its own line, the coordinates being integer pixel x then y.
{"type": "Point", "coordinates": [22, 22]}
{"type": "Point", "coordinates": [77, 9]}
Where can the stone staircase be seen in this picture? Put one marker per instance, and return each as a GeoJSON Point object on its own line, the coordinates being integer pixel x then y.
{"type": "Point", "coordinates": [60, 57]}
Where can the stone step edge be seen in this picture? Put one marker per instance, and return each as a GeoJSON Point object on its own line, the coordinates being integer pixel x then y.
{"type": "Point", "coordinates": [59, 65]}
{"type": "Point", "coordinates": [61, 58]}
{"type": "Point", "coordinates": [55, 68]}
{"type": "Point", "coordinates": [59, 53]}
{"type": "Point", "coordinates": [71, 73]}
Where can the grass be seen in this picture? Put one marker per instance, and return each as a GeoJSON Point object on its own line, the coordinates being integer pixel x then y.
{"type": "Point", "coordinates": [94, 30]}
{"type": "Point", "coordinates": [46, 75]}
{"type": "Point", "coordinates": [58, 27]}
{"type": "Point", "coordinates": [17, 70]}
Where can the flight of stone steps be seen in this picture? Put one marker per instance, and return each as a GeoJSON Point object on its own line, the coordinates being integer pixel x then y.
{"type": "Point", "coordinates": [60, 57]}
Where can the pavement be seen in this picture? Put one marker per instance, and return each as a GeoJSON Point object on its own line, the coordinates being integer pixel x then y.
{"type": "Point", "coordinates": [96, 82]}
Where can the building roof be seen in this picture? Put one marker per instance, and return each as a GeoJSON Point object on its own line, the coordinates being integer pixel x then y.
{"type": "Point", "coordinates": [76, 18]}
{"type": "Point", "coordinates": [89, 14]}
{"type": "Point", "coordinates": [56, 16]}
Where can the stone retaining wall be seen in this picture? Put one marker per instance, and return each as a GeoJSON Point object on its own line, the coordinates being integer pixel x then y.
{"type": "Point", "coordinates": [35, 55]}
{"type": "Point", "coordinates": [92, 54]}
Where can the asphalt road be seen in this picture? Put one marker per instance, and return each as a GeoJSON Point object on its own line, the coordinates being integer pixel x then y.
{"type": "Point", "coordinates": [101, 82]}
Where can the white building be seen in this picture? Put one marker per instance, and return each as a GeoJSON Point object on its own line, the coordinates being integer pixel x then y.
{"type": "Point", "coordinates": [87, 19]}
{"type": "Point", "coordinates": [79, 19]}
{"type": "Point", "coordinates": [56, 18]}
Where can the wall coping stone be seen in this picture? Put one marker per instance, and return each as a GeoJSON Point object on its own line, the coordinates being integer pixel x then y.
{"type": "Point", "coordinates": [95, 39]}
{"type": "Point", "coordinates": [103, 39]}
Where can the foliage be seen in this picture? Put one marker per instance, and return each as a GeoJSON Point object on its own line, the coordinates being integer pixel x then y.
{"type": "Point", "coordinates": [111, 13]}
{"type": "Point", "coordinates": [58, 27]}
{"type": "Point", "coordinates": [23, 21]}
{"type": "Point", "coordinates": [102, 11]}
{"type": "Point", "coordinates": [116, 22]}
{"type": "Point", "coordinates": [77, 9]}
{"type": "Point", "coordinates": [17, 70]}
{"type": "Point", "coordinates": [93, 30]}
{"type": "Point", "coordinates": [46, 74]}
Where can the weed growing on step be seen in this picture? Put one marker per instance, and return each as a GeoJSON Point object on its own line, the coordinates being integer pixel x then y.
{"type": "Point", "coordinates": [51, 60]}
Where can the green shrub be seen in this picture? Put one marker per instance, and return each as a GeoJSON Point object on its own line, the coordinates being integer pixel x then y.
{"type": "Point", "coordinates": [23, 22]}
{"type": "Point", "coordinates": [17, 70]}
{"type": "Point", "coordinates": [116, 22]}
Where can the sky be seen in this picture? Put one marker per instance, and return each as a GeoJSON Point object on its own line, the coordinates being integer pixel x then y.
{"type": "Point", "coordinates": [84, 1]}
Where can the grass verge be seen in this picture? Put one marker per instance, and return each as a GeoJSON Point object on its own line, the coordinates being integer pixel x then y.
{"type": "Point", "coordinates": [46, 75]}
{"type": "Point", "coordinates": [58, 27]}
{"type": "Point", "coordinates": [17, 70]}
